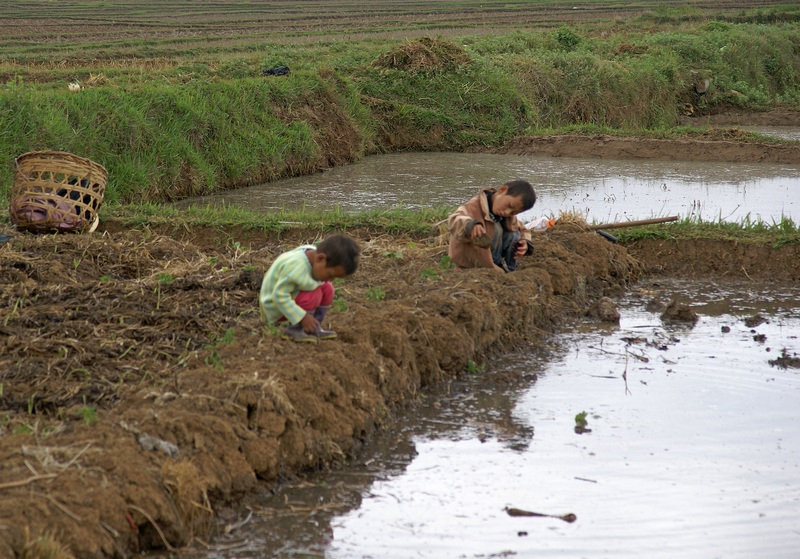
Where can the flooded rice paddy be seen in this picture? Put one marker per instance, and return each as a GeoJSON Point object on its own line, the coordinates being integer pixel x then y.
{"type": "Point", "coordinates": [600, 190]}
{"type": "Point", "coordinates": [690, 449]}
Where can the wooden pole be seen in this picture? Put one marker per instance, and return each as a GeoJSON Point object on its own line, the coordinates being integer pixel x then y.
{"type": "Point", "coordinates": [620, 224]}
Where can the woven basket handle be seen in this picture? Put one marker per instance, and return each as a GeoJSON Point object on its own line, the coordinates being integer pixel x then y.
{"type": "Point", "coordinates": [16, 167]}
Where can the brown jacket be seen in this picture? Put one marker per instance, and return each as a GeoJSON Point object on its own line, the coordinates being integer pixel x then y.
{"type": "Point", "coordinates": [463, 251]}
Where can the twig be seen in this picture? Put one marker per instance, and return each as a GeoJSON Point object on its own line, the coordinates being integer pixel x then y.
{"type": "Point", "coordinates": [625, 373]}
{"type": "Point", "coordinates": [156, 526]}
{"type": "Point", "coordinates": [110, 529]}
{"type": "Point", "coordinates": [569, 517]}
{"type": "Point", "coordinates": [59, 506]}
{"type": "Point", "coordinates": [231, 528]}
{"type": "Point", "coordinates": [20, 483]}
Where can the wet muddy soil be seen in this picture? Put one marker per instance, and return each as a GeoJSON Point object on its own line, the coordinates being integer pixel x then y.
{"type": "Point", "coordinates": [140, 393]}
{"type": "Point", "coordinates": [722, 141]}
{"type": "Point", "coordinates": [140, 389]}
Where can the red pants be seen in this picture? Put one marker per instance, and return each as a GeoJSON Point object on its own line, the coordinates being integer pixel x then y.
{"type": "Point", "coordinates": [310, 300]}
{"type": "Point", "coordinates": [320, 297]}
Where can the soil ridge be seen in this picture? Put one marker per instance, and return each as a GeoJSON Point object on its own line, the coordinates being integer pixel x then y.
{"type": "Point", "coordinates": [142, 392]}
{"type": "Point", "coordinates": [604, 146]}
{"type": "Point", "coordinates": [721, 141]}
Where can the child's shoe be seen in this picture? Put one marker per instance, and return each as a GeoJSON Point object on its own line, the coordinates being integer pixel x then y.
{"type": "Point", "coordinates": [296, 333]}
{"type": "Point", "coordinates": [321, 333]}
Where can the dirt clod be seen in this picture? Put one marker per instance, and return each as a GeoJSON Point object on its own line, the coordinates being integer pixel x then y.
{"type": "Point", "coordinates": [786, 360]}
{"type": "Point", "coordinates": [605, 310]}
{"type": "Point", "coordinates": [755, 320]}
{"type": "Point", "coordinates": [679, 312]}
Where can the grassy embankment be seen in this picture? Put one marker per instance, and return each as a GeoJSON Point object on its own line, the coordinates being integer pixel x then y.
{"type": "Point", "coordinates": [185, 120]}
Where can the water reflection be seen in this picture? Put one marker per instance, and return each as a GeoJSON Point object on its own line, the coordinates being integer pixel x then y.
{"type": "Point", "coordinates": [602, 190]}
{"type": "Point", "coordinates": [297, 521]}
{"type": "Point", "coordinates": [693, 452]}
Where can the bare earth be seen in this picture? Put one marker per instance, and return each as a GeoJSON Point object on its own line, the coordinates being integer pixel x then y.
{"type": "Point", "coordinates": [722, 142]}
{"type": "Point", "coordinates": [141, 393]}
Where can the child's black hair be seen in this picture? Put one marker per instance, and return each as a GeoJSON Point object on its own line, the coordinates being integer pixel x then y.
{"type": "Point", "coordinates": [524, 190]}
{"type": "Point", "coordinates": [340, 250]}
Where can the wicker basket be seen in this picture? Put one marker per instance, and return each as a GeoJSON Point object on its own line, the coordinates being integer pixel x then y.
{"type": "Point", "coordinates": [56, 191]}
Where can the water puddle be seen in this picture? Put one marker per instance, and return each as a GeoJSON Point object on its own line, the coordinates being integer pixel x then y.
{"type": "Point", "coordinates": [690, 449]}
{"type": "Point", "coordinates": [603, 190]}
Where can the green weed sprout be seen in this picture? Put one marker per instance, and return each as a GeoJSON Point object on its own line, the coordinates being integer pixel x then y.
{"type": "Point", "coordinates": [474, 368]}
{"type": "Point", "coordinates": [376, 294]}
{"type": "Point", "coordinates": [581, 423]}
{"type": "Point", "coordinates": [88, 414]}
{"type": "Point", "coordinates": [429, 273]}
{"type": "Point", "coordinates": [339, 304]}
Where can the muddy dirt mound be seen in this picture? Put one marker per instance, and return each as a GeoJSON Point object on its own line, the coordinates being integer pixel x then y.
{"type": "Point", "coordinates": [720, 146]}
{"type": "Point", "coordinates": [718, 258]}
{"type": "Point", "coordinates": [140, 389]}
{"type": "Point", "coordinates": [724, 116]}
{"type": "Point", "coordinates": [424, 55]}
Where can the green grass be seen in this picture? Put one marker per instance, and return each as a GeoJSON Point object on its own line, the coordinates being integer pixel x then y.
{"type": "Point", "coordinates": [777, 233]}
{"type": "Point", "coordinates": [375, 293]}
{"type": "Point", "coordinates": [416, 221]}
{"type": "Point", "coordinates": [172, 115]}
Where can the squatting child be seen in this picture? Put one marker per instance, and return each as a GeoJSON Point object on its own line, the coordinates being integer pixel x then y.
{"type": "Point", "coordinates": [297, 288]}
{"type": "Point", "coordinates": [485, 232]}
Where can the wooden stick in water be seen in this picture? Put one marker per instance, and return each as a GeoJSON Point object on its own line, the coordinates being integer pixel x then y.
{"type": "Point", "coordinates": [569, 517]}
{"type": "Point", "coordinates": [621, 224]}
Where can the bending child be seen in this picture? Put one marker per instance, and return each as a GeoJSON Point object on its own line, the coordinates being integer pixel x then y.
{"type": "Point", "coordinates": [484, 231]}
{"type": "Point", "coordinates": [297, 288]}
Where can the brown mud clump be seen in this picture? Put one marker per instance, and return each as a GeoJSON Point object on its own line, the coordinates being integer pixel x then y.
{"type": "Point", "coordinates": [678, 312]}
{"type": "Point", "coordinates": [713, 146]}
{"type": "Point", "coordinates": [755, 320]}
{"type": "Point", "coordinates": [604, 309]}
{"type": "Point", "coordinates": [141, 392]}
{"type": "Point", "coordinates": [786, 360]}
{"type": "Point", "coordinates": [718, 258]}
{"type": "Point", "coordinates": [722, 141]}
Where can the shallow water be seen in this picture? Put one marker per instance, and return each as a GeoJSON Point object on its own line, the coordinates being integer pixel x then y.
{"type": "Point", "coordinates": [602, 190]}
{"type": "Point", "coordinates": [693, 451]}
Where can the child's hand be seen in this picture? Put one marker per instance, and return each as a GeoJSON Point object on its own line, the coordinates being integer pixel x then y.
{"type": "Point", "coordinates": [477, 232]}
{"type": "Point", "coordinates": [309, 324]}
{"type": "Point", "coordinates": [522, 248]}
{"type": "Point", "coordinates": [478, 229]}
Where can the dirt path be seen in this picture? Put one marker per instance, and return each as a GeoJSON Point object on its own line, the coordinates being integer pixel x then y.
{"type": "Point", "coordinates": [140, 391]}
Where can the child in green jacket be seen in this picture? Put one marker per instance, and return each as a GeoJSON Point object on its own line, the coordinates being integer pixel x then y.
{"type": "Point", "coordinates": [297, 287]}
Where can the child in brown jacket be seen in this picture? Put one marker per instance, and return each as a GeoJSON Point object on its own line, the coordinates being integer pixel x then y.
{"type": "Point", "coordinates": [485, 232]}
